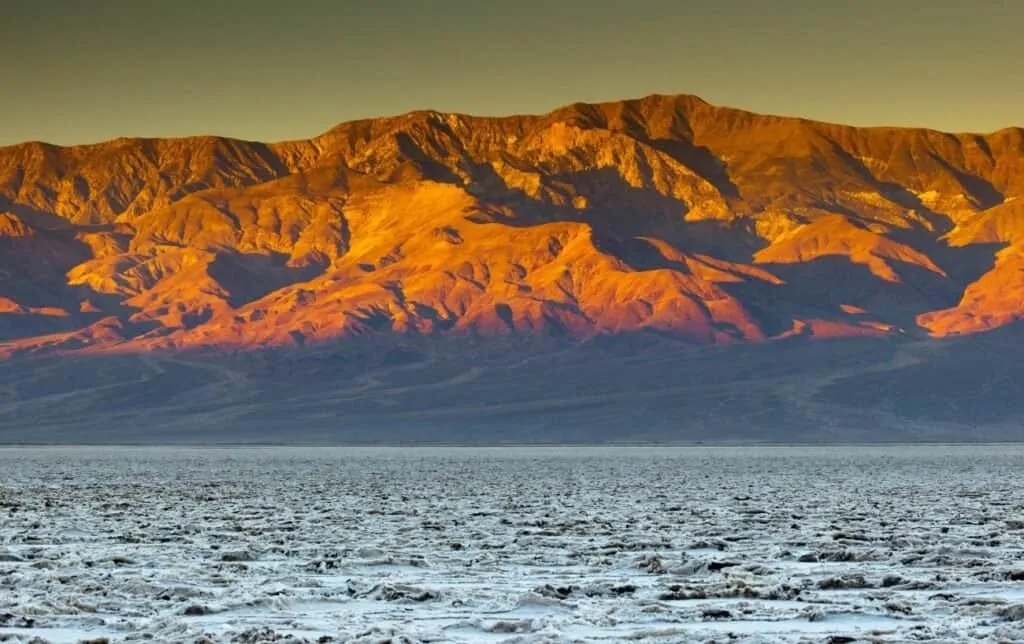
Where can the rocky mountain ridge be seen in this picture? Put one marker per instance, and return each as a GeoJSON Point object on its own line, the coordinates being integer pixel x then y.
{"type": "Point", "coordinates": [664, 214]}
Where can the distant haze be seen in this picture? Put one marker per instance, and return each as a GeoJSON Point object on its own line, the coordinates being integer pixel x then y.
{"type": "Point", "coordinates": [75, 72]}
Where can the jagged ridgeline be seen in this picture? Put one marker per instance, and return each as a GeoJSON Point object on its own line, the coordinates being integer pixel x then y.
{"type": "Point", "coordinates": [711, 224]}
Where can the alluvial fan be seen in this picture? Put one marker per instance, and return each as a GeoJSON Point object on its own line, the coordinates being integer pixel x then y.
{"type": "Point", "coordinates": [786, 544]}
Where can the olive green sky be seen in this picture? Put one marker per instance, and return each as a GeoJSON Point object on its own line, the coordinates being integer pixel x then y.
{"type": "Point", "coordinates": [74, 71]}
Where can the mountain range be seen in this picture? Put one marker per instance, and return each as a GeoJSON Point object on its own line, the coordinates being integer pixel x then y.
{"type": "Point", "coordinates": [651, 269]}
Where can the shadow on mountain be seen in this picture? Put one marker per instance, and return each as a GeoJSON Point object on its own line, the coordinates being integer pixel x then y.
{"type": "Point", "coordinates": [32, 275]}
{"type": "Point", "coordinates": [820, 287]}
{"type": "Point", "coordinates": [36, 218]}
{"type": "Point", "coordinates": [15, 326]}
{"type": "Point", "coordinates": [640, 254]}
{"type": "Point", "coordinates": [702, 161]}
{"type": "Point", "coordinates": [984, 194]}
{"type": "Point", "coordinates": [963, 264]}
{"type": "Point", "coordinates": [249, 276]}
{"type": "Point", "coordinates": [891, 191]}
{"type": "Point", "coordinates": [625, 214]}
{"type": "Point", "coordinates": [427, 167]}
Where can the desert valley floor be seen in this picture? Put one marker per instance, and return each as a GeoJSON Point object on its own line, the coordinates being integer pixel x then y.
{"type": "Point", "coordinates": [542, 544]}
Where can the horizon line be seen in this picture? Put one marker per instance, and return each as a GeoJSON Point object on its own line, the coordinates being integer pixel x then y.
{"type": "Point", "coordinates": [427, 110]}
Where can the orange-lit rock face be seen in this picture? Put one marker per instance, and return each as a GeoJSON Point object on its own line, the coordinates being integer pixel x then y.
{"type": "Point", "coordinates": [665, 213]}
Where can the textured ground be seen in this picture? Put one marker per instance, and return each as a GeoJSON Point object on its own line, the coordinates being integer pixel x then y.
{"type": "Point", "coordinates": [512, 545]}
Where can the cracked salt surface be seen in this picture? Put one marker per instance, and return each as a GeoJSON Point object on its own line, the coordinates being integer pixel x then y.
{"type": "Point", "coordinates": [772, 544]}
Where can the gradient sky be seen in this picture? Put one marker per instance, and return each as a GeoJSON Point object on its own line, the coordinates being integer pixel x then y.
{"type": "Point", "coordinates": [75, 71]}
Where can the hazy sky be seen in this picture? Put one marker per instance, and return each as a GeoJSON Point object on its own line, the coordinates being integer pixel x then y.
{"type": "Point", "coordinates": [75, 71]}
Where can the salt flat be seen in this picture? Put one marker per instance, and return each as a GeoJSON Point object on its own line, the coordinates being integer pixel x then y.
{"type": "Point", "coordinates": [670, 544]}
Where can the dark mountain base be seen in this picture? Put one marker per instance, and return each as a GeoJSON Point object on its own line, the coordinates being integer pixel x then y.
{"type": "Point", "coordinates": [639, 388]}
